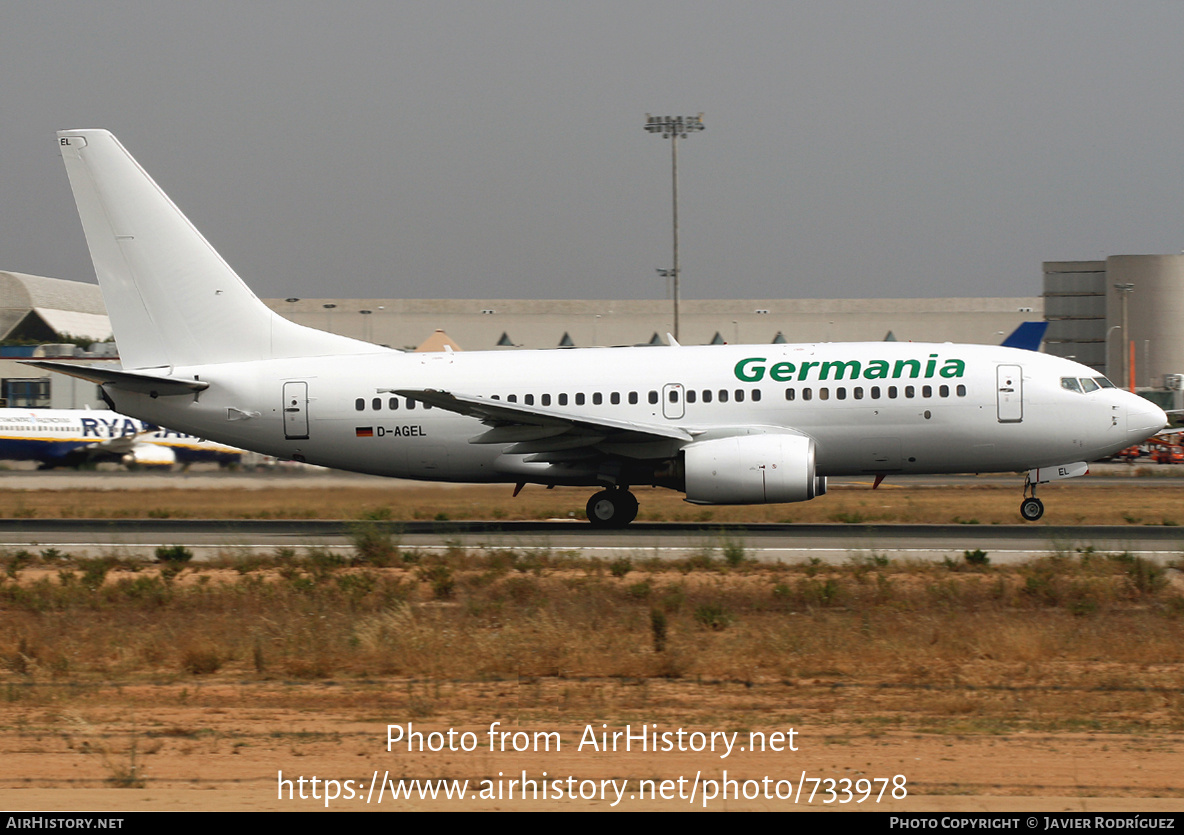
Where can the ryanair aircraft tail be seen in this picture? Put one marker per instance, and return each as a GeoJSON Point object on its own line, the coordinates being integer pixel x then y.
{"type": "Point", "coordinates": [172, 300]}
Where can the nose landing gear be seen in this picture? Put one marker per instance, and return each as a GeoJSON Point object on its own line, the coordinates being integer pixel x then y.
{"type": "Point", "coordinates": [1031, 508]}
{"type": "Point", "coordinates": [613, 508]}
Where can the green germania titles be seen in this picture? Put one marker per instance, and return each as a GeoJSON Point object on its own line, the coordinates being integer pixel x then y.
{"type": "Point", "coordinates": [753, 369]}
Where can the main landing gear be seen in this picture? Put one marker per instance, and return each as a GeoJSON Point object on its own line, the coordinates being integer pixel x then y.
{"type": "Point", "coordinates": [612, 508]}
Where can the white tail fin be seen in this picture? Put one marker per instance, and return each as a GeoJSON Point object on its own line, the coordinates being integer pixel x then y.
{"type": "Point", "coordinates": [172, 300]}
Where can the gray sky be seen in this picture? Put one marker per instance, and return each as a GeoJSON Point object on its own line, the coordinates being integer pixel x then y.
{"type": "Point", "coordinates": [495, 149]}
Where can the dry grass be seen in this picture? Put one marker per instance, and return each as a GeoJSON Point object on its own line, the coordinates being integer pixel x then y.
{"type": "Point", "coordinates": [1096, 503]}
{"type": "Point", "coordinates": [1091, 640]}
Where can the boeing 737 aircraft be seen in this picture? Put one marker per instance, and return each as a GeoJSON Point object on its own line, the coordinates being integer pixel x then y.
{"type": "Point", "coordinates": [727, 424]}
{"type": "Point", "coordinates": [71, 437]}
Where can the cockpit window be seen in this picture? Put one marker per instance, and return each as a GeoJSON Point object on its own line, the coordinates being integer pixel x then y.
{"type": "Point", "coordinates": [1071, 384]}
{"type": "Point", "coordinates": [1103, 382]}
{"type": "Point", "coordinates": [1088, 385]}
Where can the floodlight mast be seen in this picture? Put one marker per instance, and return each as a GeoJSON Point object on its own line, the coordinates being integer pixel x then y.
{"type": "Point", "coordinates": [672, 128]}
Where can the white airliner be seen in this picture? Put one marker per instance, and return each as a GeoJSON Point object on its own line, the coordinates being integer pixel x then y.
{"type": "Point", "coordinates": [71, 437]}
{"type": "Point", "coordinates": [724, 424]}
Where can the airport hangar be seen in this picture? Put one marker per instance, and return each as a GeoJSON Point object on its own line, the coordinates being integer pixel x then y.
{"type": "Point", "coordinates": [1088, 305]}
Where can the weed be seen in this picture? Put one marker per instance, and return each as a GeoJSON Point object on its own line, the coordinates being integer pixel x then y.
{"type": "Point", "coordinates": [374, 542]}
{"type": "Point", "coordinates": [94, 572]}
{"type": "Point", "coordinates": [640, 591]}
{"type": "Point", "coordinates": [620, 567]}
{"type": "Point", "coordinates": [200, 660]}
{"type": "Point", "coordinates": [124, 775]}
{"type": "Point", "coordinates": [17, 561]}
{"type": "Point", "coordinates": [441, 579]}
{"type": "Point", "coordinates": [173, 554]}
{"type": "Point", "coordinates": [658, 629]}
{"type": "Point", "coordinates": [702, 560]}
{"type": "Point", "coordinates": [733, 550]}
{"type": "Point", "coordinates": [976, 558]}
{"type": "Point", "coordinates": [713, 616]}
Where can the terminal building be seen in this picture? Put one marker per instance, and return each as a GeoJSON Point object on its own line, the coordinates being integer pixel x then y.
{"type": "Point", "coordinates": [1123, 316]}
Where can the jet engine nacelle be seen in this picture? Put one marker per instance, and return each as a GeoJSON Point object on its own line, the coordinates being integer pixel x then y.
{"type": "Point", "coordinates": [150, 455]}
{"type": "Point", "coordinates": [752, 469]}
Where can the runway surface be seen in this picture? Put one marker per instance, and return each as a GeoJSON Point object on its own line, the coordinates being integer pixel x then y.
{"type": "Point", "coordinates": [764, 542]}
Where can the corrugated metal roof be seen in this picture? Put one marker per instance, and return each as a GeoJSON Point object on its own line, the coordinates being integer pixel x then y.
{"type": "Point", "coordinates": [25, 292]}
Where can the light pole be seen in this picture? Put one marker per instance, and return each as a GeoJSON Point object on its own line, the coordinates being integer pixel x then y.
{"type": "Point", "coordinates": [1113, 328]}
{"type": "Point", "coordinates": [673, 127]}
{"type": "Point", "coordinates": [1128, 380]}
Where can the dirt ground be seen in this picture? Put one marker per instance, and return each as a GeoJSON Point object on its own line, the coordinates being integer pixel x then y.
{"type": "Point", "coordinates": [222, 745]}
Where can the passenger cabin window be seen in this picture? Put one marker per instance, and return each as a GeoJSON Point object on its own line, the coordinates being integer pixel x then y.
{"type": "Point", "coordinates": [615, 398]}
{"type": "Point", "coordinates": [756, 395]}
{"type": "Point", "coordinates": [691, 395]}
{"type": "Point", "coordinates": [360, 404]}
{"type": "Point", "coordinates": [653, 398]}
{"type": "Point", "coordinates": [632, 398]}
{"type": "Point", "coordinates": [723, 395]}
{"type": "Point", "coordinates": [546, 398]}
{"type": "Point", "coordinates": [961, 391]}
{"type": "Point", "coordinates": [790, 394]}
{"type": "Point", "coordinates": [563, 399]}
{"type": "Point", "coordinates": [528, 399]}
{"type": "Point", "coordinates": [579, 398]}
{"type": "Point", "coordinates": [376, 403]}
{"type": "Point", "coordinates": [597, 398]}
{"type": "Point", "coordinates": [393, 404]}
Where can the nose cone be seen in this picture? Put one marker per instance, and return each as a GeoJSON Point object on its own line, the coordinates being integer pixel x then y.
{"type": "Point", "coordinates": [1143, 419]}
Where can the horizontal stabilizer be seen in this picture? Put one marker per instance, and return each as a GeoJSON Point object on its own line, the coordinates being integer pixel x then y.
{"type": "Point", "coordinates": [125, 380]}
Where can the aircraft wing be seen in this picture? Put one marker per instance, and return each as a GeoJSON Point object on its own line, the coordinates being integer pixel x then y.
{"type": "Point", "coordinates": [539, 430]}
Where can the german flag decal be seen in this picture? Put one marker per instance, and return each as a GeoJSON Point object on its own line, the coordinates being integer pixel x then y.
{"type": "Point", "coordinates": [364, 431]}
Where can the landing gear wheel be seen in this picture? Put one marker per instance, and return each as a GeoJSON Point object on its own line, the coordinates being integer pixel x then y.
{"type": "Point", "coordinates": [1032, 509]}
{"type": "Point", "coordinates": [612, 508]}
